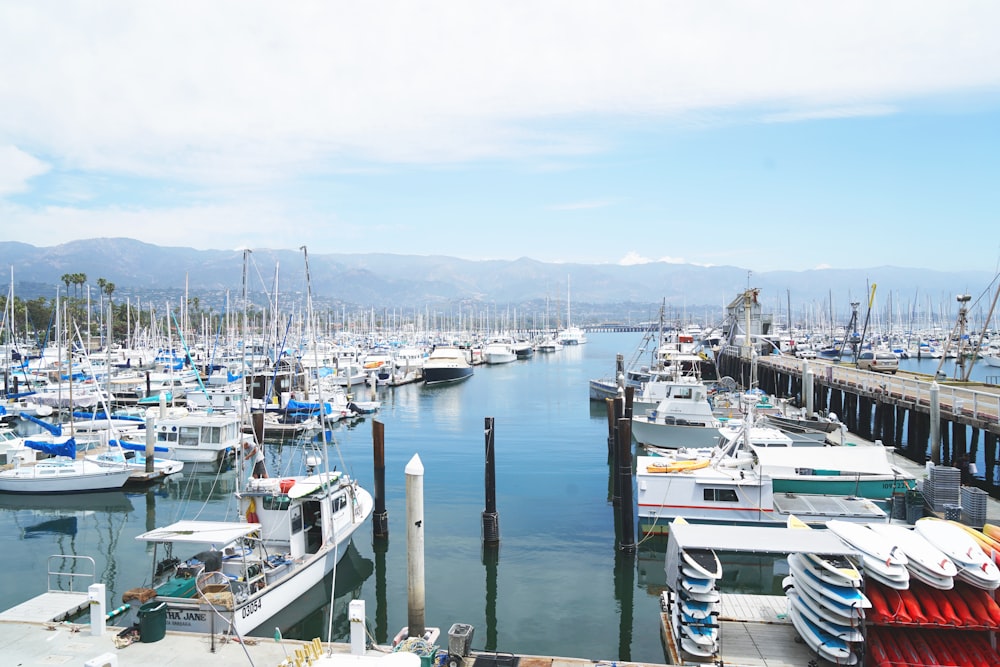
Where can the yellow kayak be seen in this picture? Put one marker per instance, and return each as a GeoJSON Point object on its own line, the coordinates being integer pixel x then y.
{"type": "Point", "coordinates": [677, 466]}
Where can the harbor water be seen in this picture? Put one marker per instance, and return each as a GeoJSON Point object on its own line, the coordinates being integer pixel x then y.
{"type": "Point", "coordinates": [556, 585]}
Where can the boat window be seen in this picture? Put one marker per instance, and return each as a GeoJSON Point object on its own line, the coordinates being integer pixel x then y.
{"type": "Point", "coordinates": [210, 434]}
{"type": "Point", "coordinates": [296, 519]}
{"type": "Point", "coordinates": [188, 436]}
{"type": "Point", "coordinates": [682, 392]}
{"type": "Point", "coordinates": [279, 502]}
{"type": "Point", "coordinates": [165, 436]}
{"type": "Point", "coordinates": [340, 502]}
{"type": "Point", "coordinates": [720, 495]}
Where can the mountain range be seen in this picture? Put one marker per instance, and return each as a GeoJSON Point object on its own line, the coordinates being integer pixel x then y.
{"type": "Point", "coordinates": [605, 291]}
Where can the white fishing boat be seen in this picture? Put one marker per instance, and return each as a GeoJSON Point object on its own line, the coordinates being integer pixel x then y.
{"type": "Point", "coordinates": [729, 487]}
{"type": "Point", "coordinates": [296, 531]}
{"type": "Point", "coordinates": [62, 474]}
{"type": "Point", "coordinates": [684, 418]}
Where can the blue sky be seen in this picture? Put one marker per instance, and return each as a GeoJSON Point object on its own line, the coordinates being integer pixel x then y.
{"type": "Point", "coordinates": [776, 135]}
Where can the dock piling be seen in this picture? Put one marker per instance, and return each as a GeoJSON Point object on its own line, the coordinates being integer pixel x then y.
{"type": "Point", "coordinates": [415, 607]}
{"type": "Point", "coordinates": [380, 516]}
{"type": "Point", "coordinates": [491, 520]}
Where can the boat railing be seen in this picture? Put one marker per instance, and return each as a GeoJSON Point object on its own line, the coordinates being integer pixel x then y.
{"type": "Point", "coordinates": [57, 565]}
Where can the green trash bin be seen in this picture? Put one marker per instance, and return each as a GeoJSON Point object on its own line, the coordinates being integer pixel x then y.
{"type": "Point", "coordinates": [152, 622]}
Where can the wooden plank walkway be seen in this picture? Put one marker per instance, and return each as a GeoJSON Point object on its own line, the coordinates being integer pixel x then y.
{"type": "Point", "coordinates": [50, 607]}
{"type": "Point", "coordinates": [754, 631]}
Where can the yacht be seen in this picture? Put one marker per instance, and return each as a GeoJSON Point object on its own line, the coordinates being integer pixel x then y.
{"type": "Point", "coordinates": [446, 364]}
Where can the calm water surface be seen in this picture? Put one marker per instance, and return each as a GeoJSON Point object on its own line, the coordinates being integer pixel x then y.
{"type": "Point", "coordinates": [556, 586]}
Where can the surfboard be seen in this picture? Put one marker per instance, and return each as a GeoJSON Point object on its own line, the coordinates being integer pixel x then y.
{"type": "Point", "coordinates": [844, 632]}
{"type": "Point", "coordinates": [844, 597]}
{"type": "Point", "coordinates": [695, 637]}
{"type": "Point", "coordinates": [926, 562]}
{"type": "Point", "coordinates": [850, 619]}
{"type": "Point", "coordinates": [881, 559]}
{"type": "Point", "coordinates": [703, 561]}
{"type": "Point", "coordinates": [822, 643]}
{"type": "Point", "coordinates": [974, 566]}
{"type": "Point", "coordinates": [309, 485]}
{"type": "Point", "coordinates": [838, 570]}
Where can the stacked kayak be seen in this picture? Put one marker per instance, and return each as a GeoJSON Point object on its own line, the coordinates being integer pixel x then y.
{"type": "Point", "coordinates": [694, 601]}
{"type": "Point", "coordinates": [924, 606]}
{"type": "Point", "coordinates": [914, 647]}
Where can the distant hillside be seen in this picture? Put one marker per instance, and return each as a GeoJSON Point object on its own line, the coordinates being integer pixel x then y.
{"type": "Point", "coordinates": [416, 282]}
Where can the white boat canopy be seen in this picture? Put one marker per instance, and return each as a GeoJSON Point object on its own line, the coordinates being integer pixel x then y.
{"type": "Point", "coordinates": [219, 533]}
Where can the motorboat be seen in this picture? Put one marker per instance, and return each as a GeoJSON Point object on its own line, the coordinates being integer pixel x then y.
{"type": "Point", "coordinates": [446, 364]}
{"type": "Point", "coordinates": [683, 418]}
{"type": "Point", "coordinates": [499, 350]}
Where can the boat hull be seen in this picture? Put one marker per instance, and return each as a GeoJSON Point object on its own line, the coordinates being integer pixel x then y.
{"type": "Point", "coordinates": [33, 479]}
{"type": "Point", "coordinates": [442, 375]}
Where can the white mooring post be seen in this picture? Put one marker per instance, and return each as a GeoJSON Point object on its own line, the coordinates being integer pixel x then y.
{"type": "Point", "coordinates": [356, 615]}
{"type": "Point", "coordinates": [415, 546]}
{"type": "Point", "coordinates": [97, 596]}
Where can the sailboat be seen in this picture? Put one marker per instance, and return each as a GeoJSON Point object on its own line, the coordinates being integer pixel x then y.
{"type": "Point", "coordinates": [237, 575]}
{"type": "Point", "coordinates": [571, 335]}
{"type": "Point", "coordinates": [62, 474]}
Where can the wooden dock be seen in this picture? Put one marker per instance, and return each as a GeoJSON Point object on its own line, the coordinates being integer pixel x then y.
{"type": "Point", "coordinates": [754, 631]}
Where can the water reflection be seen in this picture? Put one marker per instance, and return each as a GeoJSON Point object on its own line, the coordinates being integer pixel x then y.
{"type": "Point", "coordinates": [491, 561]}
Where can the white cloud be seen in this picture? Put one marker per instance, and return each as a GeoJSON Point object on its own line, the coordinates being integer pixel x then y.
{"type": "Point", "coordinates": [834, 112]}
{"type": "Point", "coordinates": [632, 257]}
{"type": "Point", "coordinates": [17, 168]}
{"type": "Point", "coordinates": [251, 91]}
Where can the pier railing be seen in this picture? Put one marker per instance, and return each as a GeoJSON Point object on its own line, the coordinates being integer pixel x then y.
{"type": "Point", "coordinates": [974, 403]}
{"type": "Point", "coordinates": [63, 568]}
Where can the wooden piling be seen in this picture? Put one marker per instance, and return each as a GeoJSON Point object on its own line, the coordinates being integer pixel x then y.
{"type": "Point", "coordinates": [626, 506]}
{"type": "Point", "coordinates": [380, 516]}
{"type": "Point", "coordinates": [491, 520]}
